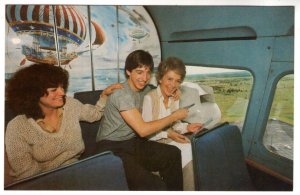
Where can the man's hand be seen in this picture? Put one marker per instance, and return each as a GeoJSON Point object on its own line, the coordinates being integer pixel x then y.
{"type": "Point", "coordinates": [176, 95]}
{"type": "Point", "coordinates": [180, 114]}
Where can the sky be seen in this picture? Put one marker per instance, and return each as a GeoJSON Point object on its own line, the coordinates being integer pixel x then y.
{"type": "Point", "coordinates": [190, 70]}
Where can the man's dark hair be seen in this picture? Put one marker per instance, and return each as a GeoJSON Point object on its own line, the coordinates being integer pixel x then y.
{"type": "Point", "coordinates": [138, 58]}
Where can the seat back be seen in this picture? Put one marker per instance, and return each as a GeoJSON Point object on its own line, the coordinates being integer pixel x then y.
{"type": "Point", "coordinates": [219, 163]}
{"type": "Point", "coordinates": [89, 130]}
{"type": "Point", "coordinates": [100, 172]}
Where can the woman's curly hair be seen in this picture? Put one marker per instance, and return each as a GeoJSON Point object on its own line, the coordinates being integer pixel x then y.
{"type": "Point", "coordinates": [29, 84]}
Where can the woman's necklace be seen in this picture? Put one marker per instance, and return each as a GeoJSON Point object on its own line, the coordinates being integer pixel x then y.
{"type": "Point", "coordinates": [51, 126]}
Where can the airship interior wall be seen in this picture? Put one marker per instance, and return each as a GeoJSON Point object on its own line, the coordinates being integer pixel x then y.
{"type": "Point", "coordinates": [91, 42]}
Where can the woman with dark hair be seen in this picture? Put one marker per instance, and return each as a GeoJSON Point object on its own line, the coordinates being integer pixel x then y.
{"type": "Point", "coordinates": [46, 132]}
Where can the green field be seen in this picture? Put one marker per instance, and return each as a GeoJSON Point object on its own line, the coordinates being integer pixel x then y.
{"type": "Point", "coordinates": [232, 95]}
{"type": "Point", "coordinates": [283, 104]}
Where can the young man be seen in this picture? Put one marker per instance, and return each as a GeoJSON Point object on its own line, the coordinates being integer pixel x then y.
{"type": "Point", "coordinates": [123, 132]}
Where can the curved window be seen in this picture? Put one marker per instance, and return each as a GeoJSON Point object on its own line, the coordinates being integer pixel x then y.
{"type": "Point", "coordinates": [279, 134]}
{"type": "Point", "coordinates": [231, 87]}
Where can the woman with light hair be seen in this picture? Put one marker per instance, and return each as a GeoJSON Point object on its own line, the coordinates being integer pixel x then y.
{"type": "Point", "coordinates": [160, 103]}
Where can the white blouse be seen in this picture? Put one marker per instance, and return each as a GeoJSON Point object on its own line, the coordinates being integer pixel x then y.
{"type": "Point", "coordinates": [178, 126]}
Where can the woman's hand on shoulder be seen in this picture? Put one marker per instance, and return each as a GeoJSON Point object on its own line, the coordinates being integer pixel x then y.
{"type": "Point", "coordinates": [110, 89]}
{"type": "Point", "coordinates": [176, 95]}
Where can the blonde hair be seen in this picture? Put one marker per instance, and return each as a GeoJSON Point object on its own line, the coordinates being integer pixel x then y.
{"type": "Point", "coordinates": [171, 63]}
